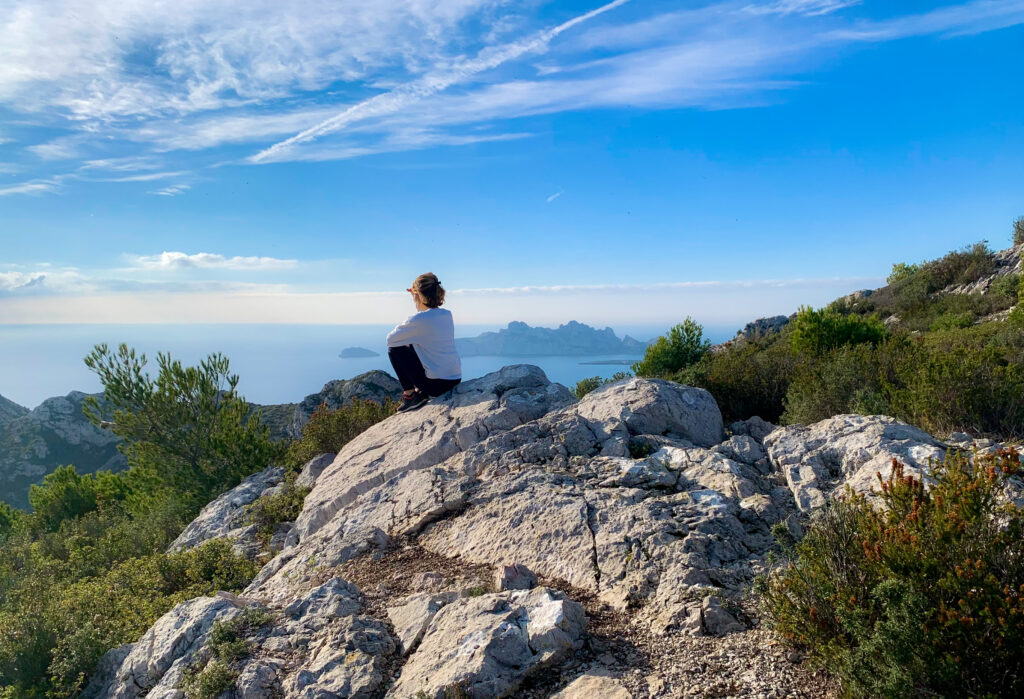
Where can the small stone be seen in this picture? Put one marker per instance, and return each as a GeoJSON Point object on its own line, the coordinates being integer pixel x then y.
{"type": "Point", "coordinates": [514, 577]}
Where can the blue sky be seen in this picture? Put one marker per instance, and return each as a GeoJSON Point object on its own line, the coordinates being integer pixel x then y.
{"type": "Point", "coordinates": [626, 163]}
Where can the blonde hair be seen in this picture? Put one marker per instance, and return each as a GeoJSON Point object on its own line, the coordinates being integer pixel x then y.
{"type": "Point", "coordinates": [429, 289]}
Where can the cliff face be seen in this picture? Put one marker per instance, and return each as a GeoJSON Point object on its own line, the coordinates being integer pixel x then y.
{"type": "Point", "coordinates": [33, 443]}
{"type": "Point", "coordinates": [570, 339]}
{"type": "Point", "coordinates": [286, 420]}
{"type": "Point", "coordinates": [509, 540]}
{"type": "Point", "coordinates": [10, 410]}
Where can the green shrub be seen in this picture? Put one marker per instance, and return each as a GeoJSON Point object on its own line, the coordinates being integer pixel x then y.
{"type": "Point", "coordinates": [213, 680]}
{"type": "Point", "coordinates": [846, 380]}
{"type": "Point", "coordinates": [816, 332]}
{"type": "Point", "coordinates": [585, 386]}
{"type": "Point", "coordinates": [746, 378]}
{"type": "Point", "coordinates": [187, 430]}
{"type": "Point", "coordinates": [53, 631]}
{"type": "Point", "coordinates": [1018, 231]}
{"type": "Point", "coordinates": [1007, 285]}
{"type": "Point", "coordinates": [962, 266]}
{"type": "Point", "coordinates": [9, 518]}
{"type": "Point", "coordinates": [923, 596]}
{"type": "Point", "coordinates": [329, 430]}
{"type": "Point", "coordinates": [951, 321]}
{"type": "Point", "coordinates": [901, 270]}
{"type": "Point", "coordinates": [284, 506]}
{"type": "Point", "coordinates": [682, 346]}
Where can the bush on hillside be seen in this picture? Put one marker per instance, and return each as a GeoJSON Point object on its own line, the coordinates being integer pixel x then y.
{"type": "Point", "coordinates": [683, 346]}
{"type": "Point", "coordinates": [1008, 285]}
{"type": "Point", "coordinates": [187, 430]}
{"type": "Point", "coordinates": [588, 385]}
{"type": "Point", "coordinates": [746, 378]}
{"type": "Point", "coordinates": [65, 494]}
{"type": "Point", "coordinates": [952, 321]}
{"type": "Point", "coordinates": [962, 266]}
{"type": "Point", "coordinates": [52, 633]}
{"type": "Point", "coordinates": [329, 430]}
{"type": "Point", "coordinates": [817, 332]}
{"type": "Point", "coordinates": [9, 517]}
{"type": "Point", "coordinates": [902, 270]}
{"type": "Point", "coordinates": [962, 388]}
{"type": "Point", "coordinates": [923, 596]}
{"type": "Point", "coordinates": [849, 379]}
{"type": "Point", "coordinates": [1018, 231]}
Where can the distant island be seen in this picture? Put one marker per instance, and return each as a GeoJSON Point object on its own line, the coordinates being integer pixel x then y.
{"type": "Point", "coordinates": [357, 353]}
{"type": "Point", "coordinates": [572, 339]}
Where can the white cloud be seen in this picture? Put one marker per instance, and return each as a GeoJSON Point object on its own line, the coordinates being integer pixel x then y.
{"type": "Point", "coordinates": [810, 8]}
{"type": "Point", "coordinates": [11, 281]}
{"type": "Point", "coordinates": [554, 196]}
{"type": "Point", "coordinates": [430, 84]}
{"type": "Point", "coordinates": [955, 20]}
{"type": "Point", "coordinates": [147, 177]}
{"type": "Point", "coordinates": [713, 303]}
{"type": "Point", "coordinates": [206, 260]}
{"type": "Point", "coordinates": [199, 74]}
{"type": "Point", "coordinates": [172, 190]}
{"type": "Point", "coordinates": [111, 60]}
{"type": "Point", "coordinates": [129, 164]}
{"type": "Point", "coordinates": [43, 186]}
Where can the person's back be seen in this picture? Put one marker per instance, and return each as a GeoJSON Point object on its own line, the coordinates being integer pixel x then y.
{"type": "Point", "coordinates": [422, 348]}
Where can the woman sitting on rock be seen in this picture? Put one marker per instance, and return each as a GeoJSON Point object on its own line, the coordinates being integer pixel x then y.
{"type": "Point", "coordinates": [422, 348]}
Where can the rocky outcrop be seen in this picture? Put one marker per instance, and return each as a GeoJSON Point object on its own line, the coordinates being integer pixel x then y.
{"type": "Point", "coordinates": [286, 420]}
{"type": "Point", "coordinates": [634, 497]}
{"type": "Point", "coordinates": [569, 340]}
{"type": "Point", "coordinates": [820, 459]}
{"type": "Point", "coordinates": [33, 443]}
{"type": "Point", "coordinates": [10, 410]}
{"type": "Point", "coordinates": [1006, 262]}
{"type": "Point", "coordinates": [487, 645]}
{"type": "Point", "coordinates": [762, 327]}
{"type": "Point", "coordinates": [228, 515]}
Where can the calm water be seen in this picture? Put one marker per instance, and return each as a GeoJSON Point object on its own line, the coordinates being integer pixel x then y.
{"type": "Point", "coordinates": [276, 363]}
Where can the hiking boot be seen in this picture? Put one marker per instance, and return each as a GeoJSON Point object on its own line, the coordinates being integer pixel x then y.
{"type": "Point", "coordinates": [417, 400]}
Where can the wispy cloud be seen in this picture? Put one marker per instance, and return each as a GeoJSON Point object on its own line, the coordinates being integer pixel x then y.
{"type": "Point", "coordinates": [44, 186]}
{"type": "Point", "coordinates": [810, 8]}
{"type": "Point", "coordinates": [431, 84]}
{"type": "Point", "coordinates": [11, 281]}
{"type": "Point", "coordinates": [554, 196]}
{"type": "Point", "coordinates": [206, 260]}
{"type": "Point", "coordinates": [172, 190]}
{"type": "Point", "coordinates": [198, 75]}
{"type": "Point", "coordinates": [129, 164]}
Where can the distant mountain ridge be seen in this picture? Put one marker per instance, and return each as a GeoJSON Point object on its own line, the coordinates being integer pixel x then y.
{"type": "Point", "coordinates": [34, 442]}
{"type": "Point", "coordinates": [573, 339]}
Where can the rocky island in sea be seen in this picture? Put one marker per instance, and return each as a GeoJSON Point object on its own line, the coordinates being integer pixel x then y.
{"type": "Point", "coordinates": [357, 353]}
{"type": "Point", "coordinates": [569, 340]}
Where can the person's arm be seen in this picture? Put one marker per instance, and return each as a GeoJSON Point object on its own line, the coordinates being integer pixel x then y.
{"type": "Point", "coordinates": [406, 332]}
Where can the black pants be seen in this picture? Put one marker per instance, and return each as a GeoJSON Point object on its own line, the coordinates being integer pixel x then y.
{"type": "Point", "coordinates": [409, 370]}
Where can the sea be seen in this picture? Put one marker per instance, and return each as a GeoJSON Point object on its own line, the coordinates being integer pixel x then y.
{"type": "Point", "coordinates": [275, 363]}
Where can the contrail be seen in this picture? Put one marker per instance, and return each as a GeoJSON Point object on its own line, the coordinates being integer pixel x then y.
{"type": "Point", "coordinates": [391, 102]}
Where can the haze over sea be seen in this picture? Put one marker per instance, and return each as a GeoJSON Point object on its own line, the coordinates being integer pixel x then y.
{"type": "Point", "coordinates": [275, 363]}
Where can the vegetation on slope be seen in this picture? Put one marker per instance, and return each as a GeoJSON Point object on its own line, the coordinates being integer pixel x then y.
{"type": "Point", "coordinates": [86, 570]}
{"type": "Point", "coordinates": [911, 349]}
{"type": "Point", "coordinates": [923, 596]}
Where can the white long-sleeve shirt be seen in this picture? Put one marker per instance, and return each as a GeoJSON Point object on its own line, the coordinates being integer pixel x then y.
{"type": "Point", "coordinates": [432, 334]}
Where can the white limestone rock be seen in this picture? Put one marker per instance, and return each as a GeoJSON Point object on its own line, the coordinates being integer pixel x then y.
{"type": "Point", "coordinates": [594, 686]}
{"type": "Point", "coordinates": [411, 615]}
{"type": "Point", "coordinates": [226, 516]}
{"type": "Point", "coordinates": [487, 645]}
{"type": "Point", "coordinates": [820, 459]}
{"type": "Point", "coordinates": [312, 470]}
